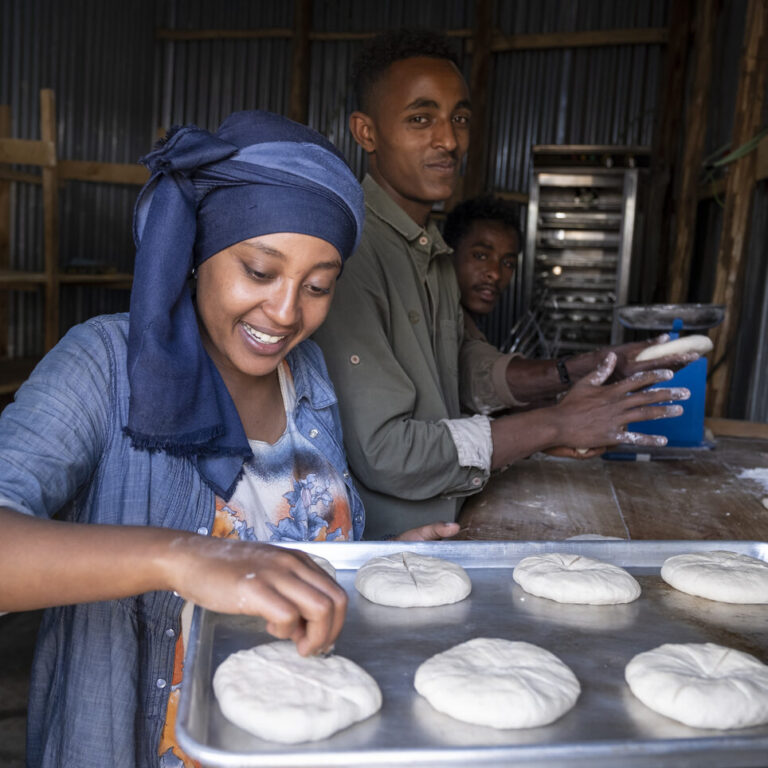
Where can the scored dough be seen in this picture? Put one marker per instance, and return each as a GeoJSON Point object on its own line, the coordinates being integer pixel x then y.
{"type": "Point", "coordinates": [695, 343]}
{"type": "Point", "coordinates": [702, 685]}
{"type": "Point", "coordinates": [570, 578]}
{"type": "Point", "coordinates": [407, 580]}
{"type": "Point", "coordinates": [498, 683]}
{"type": "Point", "coordinates": [278, 695]}
{"type": "Point", "coordinates": [728, 577]}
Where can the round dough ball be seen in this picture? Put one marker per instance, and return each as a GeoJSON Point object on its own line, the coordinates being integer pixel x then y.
{"type": "Point", "coordinates": [407, 580]}
{"type": "Point", "coordinates": [324, 564]}
{"type": "Point", "coordinates": [278, 695]}
{"type": "Point", "coordinates": [702, 685]}
{"type": "Point", "coordinates": [718, 575]}
{"type": "Point", "coordinates": [694, 343]}
{"type": "Point", "coordinates": [498, 683]}
{"type": "Point", "coordinates": [575, 579]}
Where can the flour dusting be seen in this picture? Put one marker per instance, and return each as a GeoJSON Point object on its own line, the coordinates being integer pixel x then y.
{"type": "Point", "coordinates": [759, 475]}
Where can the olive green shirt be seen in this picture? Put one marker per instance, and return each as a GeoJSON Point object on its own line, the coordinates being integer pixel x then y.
{"type": "Point", "coordinates": [392, 343]}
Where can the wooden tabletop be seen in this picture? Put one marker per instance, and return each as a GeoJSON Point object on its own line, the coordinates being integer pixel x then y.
{"type": "Point", "coordinates": [705, 496]}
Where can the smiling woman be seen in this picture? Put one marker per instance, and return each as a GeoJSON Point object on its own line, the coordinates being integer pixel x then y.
{"type": "Point", "coordinates": [206, 410]}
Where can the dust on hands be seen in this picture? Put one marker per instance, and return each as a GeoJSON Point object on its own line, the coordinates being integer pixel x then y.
{"type": "Point", "coordinates": [595, 413]}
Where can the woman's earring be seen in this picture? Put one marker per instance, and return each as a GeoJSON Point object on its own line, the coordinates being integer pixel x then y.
{"type": "Point", "coordinates": [194, 273]}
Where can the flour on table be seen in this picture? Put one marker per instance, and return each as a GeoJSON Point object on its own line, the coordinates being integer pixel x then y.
{"type": "Point", "coordinates": [758, 474]}
{"type": "Point", "coordinates": [702, 685]}
{"type": "Point", "coordinates": [569, 578]}
{"type": "Point", "coordinates": [695, 343]}
{"type": "Point", "coordinates": [278, 695]}
{"type": "Point", "coordinates": [498, 683]}
{"type": "Point", "coordinates": [407, 580]}
{"type": "Point", "coordinates": [729, 577]}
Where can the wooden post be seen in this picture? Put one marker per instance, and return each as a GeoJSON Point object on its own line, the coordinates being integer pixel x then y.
{"type": "Point", "coordinates": [5, 233]}
{"type": "Point", "coordinates": [693, 151]}
{"type": "Point", "coordinates": [300, 58]}
{"type": "Point", "coordinates": [477, 156]}
{"type": "Point", "coordinates": [665, 143]}
{"type": "Point", "coordinates": [739, 189]}
{"type": "Point", "coordinates": [50, 220]}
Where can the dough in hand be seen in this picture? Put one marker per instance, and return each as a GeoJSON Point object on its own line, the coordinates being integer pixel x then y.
{"type": "Point", "coordinates": [407, 580]}
{"type": "Point", "coordinates": [703, 685]}
{"type": "Point", "coordinates": [729, 577]}
{"type": "Point", "coordinates": [694, 343]}
{"type": "Point", "coordinates": [498, 683]}
{"type": "Point", "coordinates": [326, 565]}
{"type": "Point", "coordinates": [569, 578]}
{"type": "Point", "coordinates": [278, 695]}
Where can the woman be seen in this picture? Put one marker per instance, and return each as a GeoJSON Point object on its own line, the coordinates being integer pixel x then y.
{"type": "Point", "coordinates": [194, 415]}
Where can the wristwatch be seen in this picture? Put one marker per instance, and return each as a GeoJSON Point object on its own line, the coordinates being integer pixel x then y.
{"type": "Point", "coordinates": [562, 370]}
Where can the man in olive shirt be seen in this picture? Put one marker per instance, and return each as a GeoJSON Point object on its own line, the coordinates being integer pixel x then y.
{"type": "Point", "coordinates": [394, 335]}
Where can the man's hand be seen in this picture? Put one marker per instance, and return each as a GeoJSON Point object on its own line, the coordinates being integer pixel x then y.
{"type": "Point", "coordinates": [595, 414]}
{"type": "Point", "coordinates": [626, 365]}
{"type": "Point", "coordinates": [430, 532]}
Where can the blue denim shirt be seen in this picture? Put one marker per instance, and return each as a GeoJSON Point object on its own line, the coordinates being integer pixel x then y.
{"type": "Point", "coordinates": [102, 671]}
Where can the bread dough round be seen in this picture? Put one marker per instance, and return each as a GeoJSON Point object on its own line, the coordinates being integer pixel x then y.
{"type": "Point", "coordinates": [326, 565]}
{"type": "Point", "coordinates": [407, 580]}
{"type": "Point", "coordinates": [498, 683]}
{"type": "Point", "coordinates": [569, 578]}
{"type": "Point", "coordinates": [694, 343]}
{"type": "Point", "coordinates": [729, 577]}
{"type": "Point", "coordinates": [702, 685]}
{"type": "Point", "coordinates": [278, 695]}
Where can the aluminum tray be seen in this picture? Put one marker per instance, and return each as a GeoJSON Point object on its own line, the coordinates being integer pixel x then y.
{"type": "Point", "coordinates": [607, 727]}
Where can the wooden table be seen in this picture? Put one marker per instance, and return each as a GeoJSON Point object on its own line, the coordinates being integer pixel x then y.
{"type": "Point", "coordinates": [701, 497]}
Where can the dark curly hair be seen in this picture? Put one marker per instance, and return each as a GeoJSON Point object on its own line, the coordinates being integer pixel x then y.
{"type": "Point", "coordinates": [485, 207]}
{"type": "Point", "coordinates": [391, 46]}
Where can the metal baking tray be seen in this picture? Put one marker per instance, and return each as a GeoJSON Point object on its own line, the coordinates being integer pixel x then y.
{"type": "Point", "coordinates": [607, 727]}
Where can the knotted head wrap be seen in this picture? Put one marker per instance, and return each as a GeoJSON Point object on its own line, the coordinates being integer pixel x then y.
{"type": "Point", "coordinates": [259, 174]}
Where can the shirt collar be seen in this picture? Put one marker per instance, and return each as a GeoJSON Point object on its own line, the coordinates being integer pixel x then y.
{"type": "Point", "coordinates": [310, 380]}
{"type": "Point", "coordinates": [378, 202]}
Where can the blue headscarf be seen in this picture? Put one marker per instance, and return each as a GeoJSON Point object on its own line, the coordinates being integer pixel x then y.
{"type": "Point", "coordinates": [259, 174]}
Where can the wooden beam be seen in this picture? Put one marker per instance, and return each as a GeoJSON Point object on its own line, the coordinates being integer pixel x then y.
{"type": "Point", "coordinates": [108, 173]}
{"type": "Point", "coordinates": [695, 135]}
{"type": "Point", "coordinates": [479, 84]}
{"type": "Point", "coordinates": [298, 107]}
{"type": "Point", "coordinates": [761, 172]}
{"type": "Point", "coordinates": [28, 152]}
{"type": "Point", "coordinates": [739, 189]}
{"type": "Point", "coordinates": [222, 34]}
{"type": "Point", "coordinates": [667, 128]}
{"type": "Point", "coordinates": [517, 197]}
{"type": "Point", "coordinates": [585, 39]}
{"type": "Point", "coordinates": [737, 428]}
{"type": "Point", "coordinates": [50, 221]}
{"type": "Point", "coordinates": [5, 233]}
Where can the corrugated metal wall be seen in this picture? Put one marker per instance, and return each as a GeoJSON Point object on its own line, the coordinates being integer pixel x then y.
{"type": "Point", "coordinates": [116, 83]}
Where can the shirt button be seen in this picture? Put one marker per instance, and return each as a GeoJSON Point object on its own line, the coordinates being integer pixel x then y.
{"type": "Point", "coordinates": [346, 475]}
{"type": "Point", "coordinates": [170, 633]}
{"type": "Point", "coordinates": [313, 432]}
{"type": "Point", "coordinates": [203, 531]}
{"type": "Point", "coordinates": [414, 316]}
{"type": "Point", "coordinates": [423, 240]}
{"type": "Point", "coordinates": [476, 481]}
{"type": "Point", "coordinates": [176, 593]}
{"type": "Point", "coordinates": [354, 359]}
{"type": "Point", "coordinates": [160, 683]}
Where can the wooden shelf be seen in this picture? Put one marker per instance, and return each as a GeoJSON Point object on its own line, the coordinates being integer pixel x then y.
{"type": "Point", "coordinates": [23, 281]}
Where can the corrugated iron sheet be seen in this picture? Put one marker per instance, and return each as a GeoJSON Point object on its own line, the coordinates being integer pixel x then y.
{"type": "Point", "coordinates": [116, 84]}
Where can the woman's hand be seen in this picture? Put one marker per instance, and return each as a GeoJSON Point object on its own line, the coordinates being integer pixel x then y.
{"type": "Point", "coordinates": [564, 452]}
{"type": "Point", "coordinates": [429, 532]}
{"type": "Point", "coordinates": [297, 598]}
